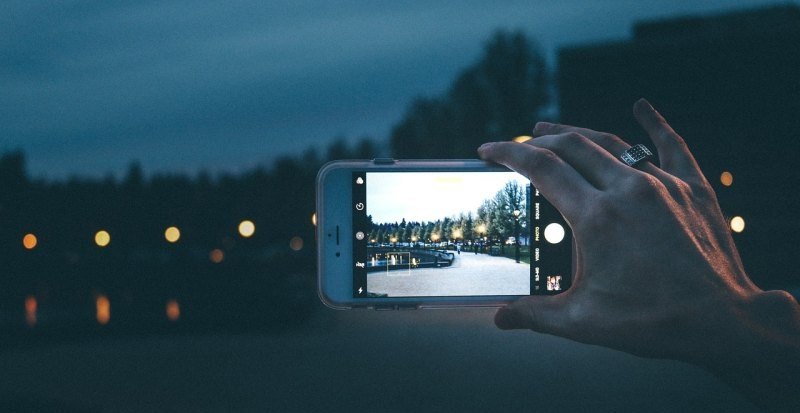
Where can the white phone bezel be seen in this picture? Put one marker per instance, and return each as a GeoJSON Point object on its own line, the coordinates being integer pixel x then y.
{"type": "Point", "coordinates": [334, 213]}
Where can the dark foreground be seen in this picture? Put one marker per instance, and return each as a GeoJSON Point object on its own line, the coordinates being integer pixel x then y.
{"type": "Point", "coordinates": [430, 360]}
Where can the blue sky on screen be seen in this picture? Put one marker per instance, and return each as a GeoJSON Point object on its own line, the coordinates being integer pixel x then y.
{"type": "Point", "coordinates": [428, 196]}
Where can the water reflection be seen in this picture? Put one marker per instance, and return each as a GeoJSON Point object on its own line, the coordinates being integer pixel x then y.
{"type": "Point", "coordinates": [173, 310]}
{"type": "Point", "coordinates": [103, 309]}
{"type": "Point", "coordinates": [31, 307]}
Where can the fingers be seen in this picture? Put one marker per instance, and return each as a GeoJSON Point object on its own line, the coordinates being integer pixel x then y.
{"type": "Point", "coordinates": [594, 163]}
{"type": "Point", "coordinates": [611, 143]}
{"type": "Point", "coordinates": [673, 154]}
{"type": "Point", "coordinates": [559, 182]}
{"type": "Point", "coordinates": [544, 314]}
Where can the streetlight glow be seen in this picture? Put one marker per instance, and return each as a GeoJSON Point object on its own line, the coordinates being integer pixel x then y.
{"type": "Point", "coordinates": [726, 178]}
{"type": "Point", "coordinates": [737, 224]}
{"type": "Point", "coordinates": [29, 241]}
{"type": "Point", "coordinates": [172, 234]}
{"type": "Point", "coordinates": [247, 228]}
{"type": "Point", "coordinates": [102, 238]}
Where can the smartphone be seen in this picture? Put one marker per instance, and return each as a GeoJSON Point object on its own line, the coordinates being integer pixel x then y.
{"type": "Point", "coordinates": [406, 234]}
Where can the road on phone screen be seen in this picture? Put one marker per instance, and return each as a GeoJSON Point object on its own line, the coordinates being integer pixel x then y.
{"type": "Point", "coordinates": [470, 274]}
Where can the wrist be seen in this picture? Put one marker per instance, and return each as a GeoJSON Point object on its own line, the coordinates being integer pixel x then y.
{"type": "Point", "coordinates": [762, 322]}
{"type": "Point", "coordinates": [756, 349]}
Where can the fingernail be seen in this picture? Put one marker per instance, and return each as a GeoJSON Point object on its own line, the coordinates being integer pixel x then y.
{"type": "Point", "coordinates": [541, 127]}
{"type": "Point", "coordinates": [646, 104]}
{"type": "Point", "coordinates": [485, 146]}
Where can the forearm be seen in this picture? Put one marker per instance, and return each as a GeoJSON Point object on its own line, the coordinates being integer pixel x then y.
{"type": "Point", "coordinates": [760, 357]}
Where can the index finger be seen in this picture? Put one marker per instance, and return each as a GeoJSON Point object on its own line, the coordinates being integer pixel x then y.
{"type": "Point", "coordinates": [559, 182]}
{"type": "Point", "coordinates": [613, 144]}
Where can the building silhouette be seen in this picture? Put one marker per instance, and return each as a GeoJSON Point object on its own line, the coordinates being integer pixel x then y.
{"type": "Point", "coordinates": [730, 85]}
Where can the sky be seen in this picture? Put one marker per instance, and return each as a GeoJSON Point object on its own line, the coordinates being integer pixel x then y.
{"type": "Point", "coordinates": [86, 87]}
{"type": "Point", "coordinates": [430, 196]}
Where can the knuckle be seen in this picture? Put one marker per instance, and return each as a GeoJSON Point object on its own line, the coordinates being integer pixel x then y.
{"type": "Point", "coordinates": [542, 159]}
{"type": "Point", "coordinates": [606, 140]}
{"type": "Point", "coordinates": [559, 142]}
{"type": "Point", "coordinates": [642, 185]}
{"type": "Point", "coordinates": [575, 139]}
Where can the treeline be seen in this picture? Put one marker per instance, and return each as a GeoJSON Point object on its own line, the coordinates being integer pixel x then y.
{"type": "Point", "coordinates": [497, 98]}
{"type": "Point", "coordinates": [219, 278]}
{"type": "Point", "coordinates": [271, 272]}
{"type": "Point", "coordinates": [495, 221]}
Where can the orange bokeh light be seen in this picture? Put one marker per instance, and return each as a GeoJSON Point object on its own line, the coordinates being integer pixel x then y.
{"type": "Point", "coordinates": [29, 241]}
{"type": "Point", "coordinates": [173, 310]}
{"type": "Point", "coordinates": [296, 243]}
{"type": "Point", "coordinates": [216, 256]}
{"type": "Point", "coordinates": [103, 309]}
{"type": "Point", "coordinates": [726, 178]}
{"type": "Point", "coordinates": [31, 307]}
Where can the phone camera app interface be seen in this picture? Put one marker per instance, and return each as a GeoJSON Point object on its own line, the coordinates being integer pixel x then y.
{"type": "Point", "coordinates": [450, 234]}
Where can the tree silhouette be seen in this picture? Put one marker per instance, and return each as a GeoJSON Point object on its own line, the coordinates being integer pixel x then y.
{"type": "Point", "coordinates": [497, 98]}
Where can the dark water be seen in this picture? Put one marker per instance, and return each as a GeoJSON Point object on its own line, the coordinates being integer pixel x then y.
{"type": "Point", "coordinates": [431, 360]}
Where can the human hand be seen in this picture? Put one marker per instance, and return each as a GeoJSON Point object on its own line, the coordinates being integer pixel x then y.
{"type": "Point", "coordinates": [656, 271]}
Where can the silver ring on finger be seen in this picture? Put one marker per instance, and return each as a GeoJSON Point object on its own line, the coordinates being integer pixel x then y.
{"type": "Point", "coordinates": [636, 154]}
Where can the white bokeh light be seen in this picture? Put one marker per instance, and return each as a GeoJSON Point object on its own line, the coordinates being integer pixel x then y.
{"type": "Point", "coordinates": [737, 224]}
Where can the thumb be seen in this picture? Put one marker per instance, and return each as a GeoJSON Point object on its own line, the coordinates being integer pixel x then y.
{"type": "Point", "coordinates": [544, 314]}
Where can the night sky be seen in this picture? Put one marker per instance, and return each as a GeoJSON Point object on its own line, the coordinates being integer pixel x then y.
{"type": "Point", "coordinates": [88, 86]}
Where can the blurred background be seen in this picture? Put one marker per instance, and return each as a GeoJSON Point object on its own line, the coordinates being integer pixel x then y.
{"type": "Point", "coordinates": [157, 165]}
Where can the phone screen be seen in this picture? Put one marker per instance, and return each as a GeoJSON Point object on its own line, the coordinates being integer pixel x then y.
{"type": "Point", "coordinates": [452, 234]}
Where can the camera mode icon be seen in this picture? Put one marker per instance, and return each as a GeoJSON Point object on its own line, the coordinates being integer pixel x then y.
{"type": "Point", "coordinates": [360, 180]}
{"type": "Point", "coordinates": [359, 235]}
